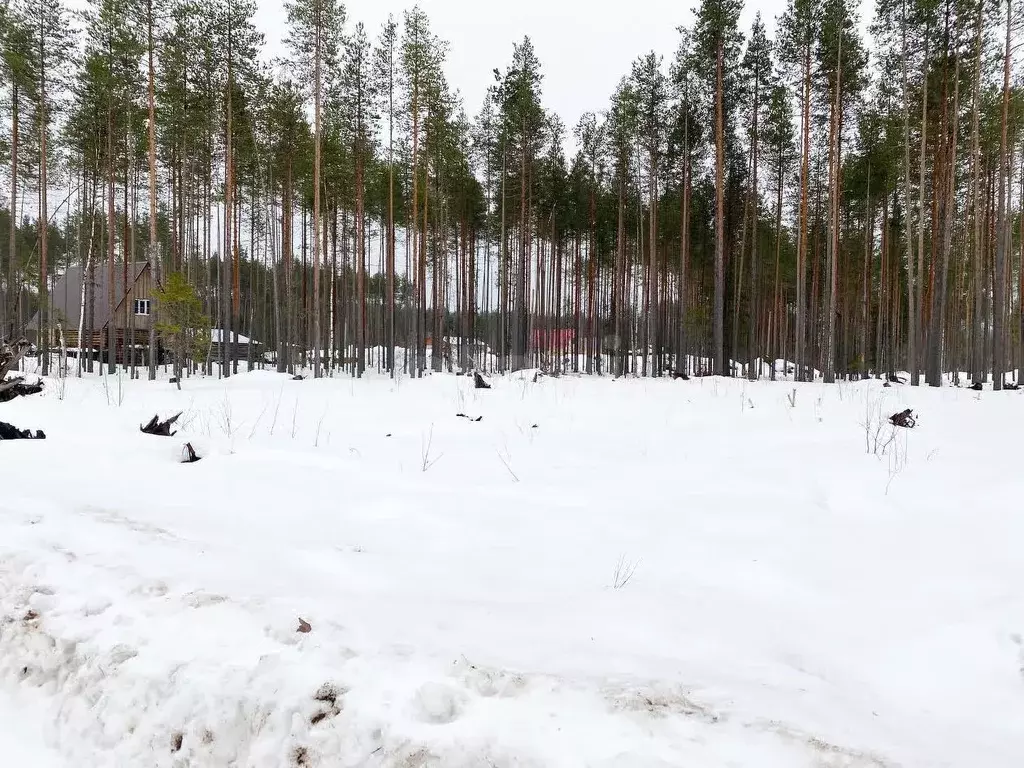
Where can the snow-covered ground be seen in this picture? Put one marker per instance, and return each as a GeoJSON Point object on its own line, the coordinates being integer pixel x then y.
{"type": "Point", "coordinates": [629, 573]}
{"type": "Point", "coordinates": [22, 742]}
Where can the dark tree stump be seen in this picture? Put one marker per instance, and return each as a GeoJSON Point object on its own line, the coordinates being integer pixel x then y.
{"type": "Point", "coordinates": [903, 419]}
{"type": "Point", "coordinates": [977, 386]}
{"type": "Point", "coordinates": [11, 432]}
{"type": "Point", "coordinates": [189, 454]}
{"type": "Point", "coordinates": [479, 382]}
{"type": "Point", "coordinates": [160, 428]}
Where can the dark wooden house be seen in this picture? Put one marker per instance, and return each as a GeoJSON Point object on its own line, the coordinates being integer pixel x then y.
{"type": "Point", "coordinates": [131, 316]}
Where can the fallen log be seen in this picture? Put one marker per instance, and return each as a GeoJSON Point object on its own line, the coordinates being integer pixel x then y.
{"type": "Point", "coordinates": [18, 387]}
{"type": "Point", "coordinates": [160, 428]}
{"type": "Point", "coordinates": [11, 432]}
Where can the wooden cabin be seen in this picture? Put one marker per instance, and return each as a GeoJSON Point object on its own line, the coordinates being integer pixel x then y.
{"type": "Point", "coordinates": [239, 345]}
{"type": "Point", "coordinates": [133, 307]}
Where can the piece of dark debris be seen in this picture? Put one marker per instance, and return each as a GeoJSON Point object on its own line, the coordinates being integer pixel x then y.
{"type": "Point", "coordinates": [10, 432]}
{"type": "Point", "coordinates": [304, 626]}
{"type": "Point", "coordinates": [189, 455]}
{"type": "Point", "coordinates": [479, 382]}
{"type": "Point", "coordinates": [176, 741]}
{"type": "Point", "coordinates": [160, 428]}
{"type": "Point", "coordinates": [905, 419]}
{"type": "Point", "coordinates": [327, 695]}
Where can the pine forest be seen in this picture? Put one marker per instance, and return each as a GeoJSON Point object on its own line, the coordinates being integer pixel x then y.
{"type": "Point", "coordinates": [844, 194]}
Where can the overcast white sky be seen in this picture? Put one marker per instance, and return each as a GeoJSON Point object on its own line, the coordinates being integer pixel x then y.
{"type": "Point", "coordinates": [585, 46]}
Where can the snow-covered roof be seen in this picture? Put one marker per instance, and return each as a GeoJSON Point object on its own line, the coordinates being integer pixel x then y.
{"type": "Point", "coordinates": [217, 333]}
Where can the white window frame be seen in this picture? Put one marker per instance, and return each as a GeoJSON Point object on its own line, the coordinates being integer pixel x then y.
{"type": "Point", "coordinates": [141, 304]}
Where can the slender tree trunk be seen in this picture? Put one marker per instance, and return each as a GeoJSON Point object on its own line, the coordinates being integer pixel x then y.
{"type": "Point", "coordinates": [1002, 224]}
{"type": "Point", "coordinates": [916, 331]}
{"type": "Point", "coordinates": [719, 309]}
{"type": "Point", "coordinates": [978, 260]}
{"type": "Point", "coordinates": [111, 304]}
{"type": "Point", "coordinates": [865, 298]}
{"type": "Point", "coordinates": [228, 242]}
{"type": "Point", "coordinates": [683, 364]}
{"type": "Point", "coordinates": [318, 32]}
{"type": "Point", "coordinates": [912, 316]}
{"type": "Point", "coordinates": [800, 332]}
{"type": "Point", "coordinates": [44, 219]}
{"type": "Point", "coordinates": [154, 247]}
{"type": "Point", "coordinates": [948, 208]}
{"type": "Point", "coordinates": [753, 352]}
{"type": "Point", "coordinates": [779, 313]}
{"type": "Point", "coordinates": [7, 315]}
{"type": "Point", "coordinates": [391, 229]}
{"type": "Point", "coordinates": [835, 147]}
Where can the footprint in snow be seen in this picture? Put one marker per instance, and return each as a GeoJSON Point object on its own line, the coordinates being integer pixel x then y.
{"type": "Point", "coordinates": [202, 599]}
{"type": "Point", "coordinates": [438, 703]}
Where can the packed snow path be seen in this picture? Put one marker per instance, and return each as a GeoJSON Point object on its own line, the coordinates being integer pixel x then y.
{"type": "Point", "coordinates": [597, 573]}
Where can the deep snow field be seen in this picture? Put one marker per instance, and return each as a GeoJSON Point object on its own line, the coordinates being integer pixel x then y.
{"type": "Point", "coordinates": [607, 573]}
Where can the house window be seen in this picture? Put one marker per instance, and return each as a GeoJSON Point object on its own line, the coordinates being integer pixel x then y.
{"type": "Point", "coordinates": [142, 306]}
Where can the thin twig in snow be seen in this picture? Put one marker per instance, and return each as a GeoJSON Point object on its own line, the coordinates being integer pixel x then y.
{"type": "Point", "coordinates": [319, 424]}
{"type": "Point", "coordinates": [277, 408]}
{"type": "Point", "coordinates": [624, 571]}
{"type": "Point", "coordinates": [257, 422]}
{"type": "Point", "coordinates": [515, 477]}
{"type": "Point", "coordinates": [427, 461]}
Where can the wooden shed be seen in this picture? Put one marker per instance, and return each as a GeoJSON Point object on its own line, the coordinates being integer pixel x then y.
{"type": "Point", "coordinates": [239, 345]}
